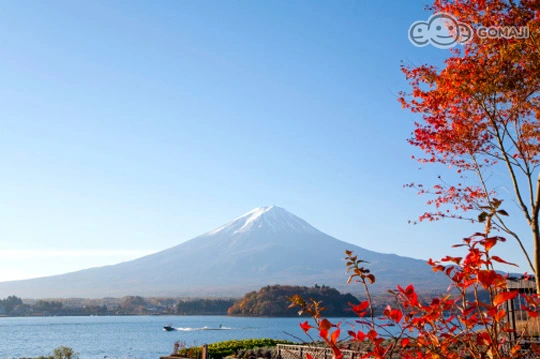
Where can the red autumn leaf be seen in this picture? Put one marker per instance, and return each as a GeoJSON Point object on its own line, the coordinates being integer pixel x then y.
{"type": "Point", "coordinates": [487, 277]}
{"type": "Point", "coordinates": [325, 324]}
{"type": "Point", "coordinates": [500, 260]}
{"type": "Point", "coordinates": [409, 290]}
{"type": "Point", "coordinates": [483, 338]}
{"type": "Point", "coordinates": [503, 297]}
{"type": "Point", "coordinates": [335, 336]}
{"type": "Point", "coordinates": [490, 242]}
{"type": "Point", "coordinates": [359, 336]}
{"type": "Point", "coordinates": [501, 314]}
{"type": "Point", "coordinates": [372, 334]}
{"type": "Point", "coordinates": [393, 314]}
{"type": "Point", "coordinates": [305, 326]}
{"type": "Point", "coordinates": [533, 313]}
{"type": "Point", "coordinates": [362, 306]}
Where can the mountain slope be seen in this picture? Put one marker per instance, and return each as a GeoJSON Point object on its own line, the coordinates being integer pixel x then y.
{"type": "Point", "coordinates": [267, 245]}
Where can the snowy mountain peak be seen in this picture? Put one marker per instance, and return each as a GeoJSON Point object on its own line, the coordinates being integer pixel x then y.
{"type": "Point", "coordinates": [270, 219]}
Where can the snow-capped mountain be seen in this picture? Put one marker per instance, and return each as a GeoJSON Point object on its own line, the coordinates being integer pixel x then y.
{"type": "Point", "coordinates": [271, 218]}
{"type": "Point", "coordinates": [267, 245]}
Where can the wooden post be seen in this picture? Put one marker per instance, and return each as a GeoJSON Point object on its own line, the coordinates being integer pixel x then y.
{"type": "Point", "coordinates": [522, 285]}
{"type": "Point", "coordinates": [204, 351]}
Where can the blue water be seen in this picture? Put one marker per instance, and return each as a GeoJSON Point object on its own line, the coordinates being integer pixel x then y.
{"type": "Point", "coordinates": [138, 337]}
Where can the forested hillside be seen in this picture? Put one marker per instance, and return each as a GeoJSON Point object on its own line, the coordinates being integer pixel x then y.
{"type": "Point", "coordinates": [204, 306]}
{"type": "Point", "coordinates": [273, 301]}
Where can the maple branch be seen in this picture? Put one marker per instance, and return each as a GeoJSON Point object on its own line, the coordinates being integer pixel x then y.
{"type": "Point", "coordinates": [500, 222]}
{"type": "Point", "coordinates": [497, 157]}
{"type": "Point", "coordinates": [508, 162]}
{"type": "Point", "coordinates": [525, 170]}
{"type": "Point", "coordinates": [533, 221]}
{"type": "Point", "coordinates": [496, 134]}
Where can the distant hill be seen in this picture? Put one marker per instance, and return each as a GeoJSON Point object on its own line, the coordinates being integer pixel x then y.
{"type": "Point", "coordinates": [204, 306]}
{"type": "Point", "coordinates": [265, 246]}
{"type": "Point", "coordinates": [272, 301]}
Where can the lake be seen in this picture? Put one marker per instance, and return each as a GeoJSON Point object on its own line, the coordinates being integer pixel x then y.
{"type": "Point", "coordinates": [137, 337]}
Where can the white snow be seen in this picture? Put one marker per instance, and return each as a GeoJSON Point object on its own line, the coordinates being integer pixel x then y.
{"type": "Point", "coordinates": [270, 218]}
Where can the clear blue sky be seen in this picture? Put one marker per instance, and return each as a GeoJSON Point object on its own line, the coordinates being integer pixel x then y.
{"type": "Point", "coordinates": [128, 127]}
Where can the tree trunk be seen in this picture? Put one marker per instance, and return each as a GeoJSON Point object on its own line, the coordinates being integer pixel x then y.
{"type": "Point", "coordinates": [536, 241]}
{"type": "Point", "coordinates": [535, 212]}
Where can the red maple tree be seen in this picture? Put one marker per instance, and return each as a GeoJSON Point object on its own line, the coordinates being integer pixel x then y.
{"type": "Point", "coordinates": [481, 112]}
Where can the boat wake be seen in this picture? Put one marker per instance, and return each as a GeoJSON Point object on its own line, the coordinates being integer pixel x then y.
{"type": "Point", "coordinates": [203, 328]}
{"type": "Point", "coordinates": [169, 328]}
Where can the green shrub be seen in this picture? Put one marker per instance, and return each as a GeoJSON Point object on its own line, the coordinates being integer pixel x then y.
{"type": "Point", "coordinates": [61, 352]}
{"type": "Point", "coordinates": [263, 352]}
{"type": "Point", "coordinates": [221, 350]}
{"type": "Point", "coordinates": [65, 353]}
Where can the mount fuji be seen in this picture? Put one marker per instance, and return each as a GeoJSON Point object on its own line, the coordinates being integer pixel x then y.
{"type": "Point", "coordinates": [265, 246]}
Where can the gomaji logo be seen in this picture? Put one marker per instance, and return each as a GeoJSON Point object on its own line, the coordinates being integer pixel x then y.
{"type": "Point", "coordinates": [445, 31]}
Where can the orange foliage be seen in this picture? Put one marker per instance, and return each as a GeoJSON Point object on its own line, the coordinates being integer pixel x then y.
{"type": "Point", "coordinates": [482, 109]}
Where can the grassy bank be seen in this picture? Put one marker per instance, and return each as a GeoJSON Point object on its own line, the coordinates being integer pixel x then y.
{"type": "Point", "coordinates": [241, 349]}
